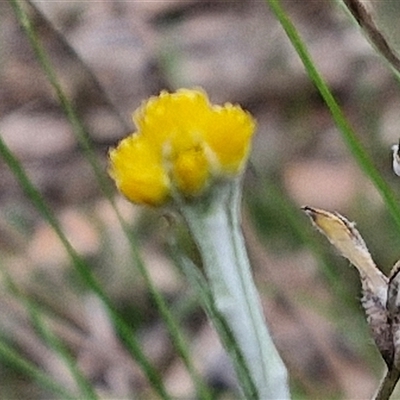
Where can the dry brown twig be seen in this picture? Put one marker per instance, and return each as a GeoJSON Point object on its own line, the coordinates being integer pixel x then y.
{"type": "Point", "coordinates": [360, 11]}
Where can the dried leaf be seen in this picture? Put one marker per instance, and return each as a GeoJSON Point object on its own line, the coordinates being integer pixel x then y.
{"type": "Point", "coordinates": [348, 241]}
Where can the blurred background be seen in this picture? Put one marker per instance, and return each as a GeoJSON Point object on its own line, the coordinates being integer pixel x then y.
{"type": "Point", "coordinates": [109, 57]}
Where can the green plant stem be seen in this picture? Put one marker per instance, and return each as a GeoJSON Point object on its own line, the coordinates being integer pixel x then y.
{"type": "Point", "coordinates": [83, 270]}
{"type": "Point", "coordinates": [35, 311]}
{"type": "Point", "coordinates": [348, 134]}
{"type": "Point", "coordinates": [198, 281]}
{"type": "Point", "coordinates": [214, 223]}
{"type": "Point", "coordinates": [78, 129]}
{"type": "Point", "coordinates": [86, 389]}
{"type": "Point", "coordinates": [176, 335]}
{"type": "Point", "coordinates": [31, 370]}
{"type": "Point", "coordinates": [388, 384]}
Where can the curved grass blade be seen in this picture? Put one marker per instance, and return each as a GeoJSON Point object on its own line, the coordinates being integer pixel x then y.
{"type": "Point", "coordinates": [36, 314]}
{"type": "Point", "coordinates": [86, 389]}
{"type": "Point", "coordinates": [31, 370]}
{"type": "Point", "coordinates": [348, 134]}
{"type": "Point", "coordinates": [83, 270]}
{"type": "Point", "coordinates": [176, 335]}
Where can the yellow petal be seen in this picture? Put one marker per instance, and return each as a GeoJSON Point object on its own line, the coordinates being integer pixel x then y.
{"type": "Point", "coordinates": [138, 171]}
{"type": "Point", "coordinates": [229, 134]}
{"type": "Point", "coordinates": [173, 119]}
{"type": "Point", "coordinates": [185, 119]}
{"type": "Point", "coordinates": [191, 171]}
{"type": "Point", "coordinates": [180, 137]}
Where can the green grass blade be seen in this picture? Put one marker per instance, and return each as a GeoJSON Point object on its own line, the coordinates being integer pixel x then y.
{"type": "Point", "coordinates": [86, 389]}
{"type": "Point", "coordinates": [15, 360]}
{"type": "Point", "coordinates": [83, 269]}
{"type": "Point", "coordinates": [83, 138]}
{"type": "Point", "coordinates": [78, 129]}
{"type": "Point", "coordinates": [348, 134]}
{"type": "Point", "coordinates": [36, 314]}
{"type": "Point", "coordinates": [104, 182]}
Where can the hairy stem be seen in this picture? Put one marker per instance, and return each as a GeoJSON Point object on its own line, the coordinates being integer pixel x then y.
{"type": "Point", "coordinates": [215, 227]}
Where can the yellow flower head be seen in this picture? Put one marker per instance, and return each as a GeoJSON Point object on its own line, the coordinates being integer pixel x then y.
{"type": "Point", "coordinates": [182, 142]}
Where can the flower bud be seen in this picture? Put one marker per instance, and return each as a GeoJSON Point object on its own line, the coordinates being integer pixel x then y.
{"type": "Point", "coordinates": [182, 145]}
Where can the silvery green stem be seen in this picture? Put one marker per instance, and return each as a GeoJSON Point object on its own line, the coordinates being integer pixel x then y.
{"type": "Point", "coordinates": [214, 222]}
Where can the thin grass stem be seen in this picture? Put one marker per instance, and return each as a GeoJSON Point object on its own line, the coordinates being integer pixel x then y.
{"type": "Point", "coordinates": [177, 337]}
{"type": "Point", "coordinates": [83, 269]}
{"type": "Point", "coordinates": [86, 389]}
{"type": "Point", "coordinates": [18, 362]}
{"type": "Point", "coordinates": [349, 136]}
{"type": "Point", "coordinates": [36, 314]}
